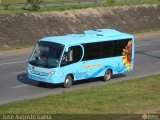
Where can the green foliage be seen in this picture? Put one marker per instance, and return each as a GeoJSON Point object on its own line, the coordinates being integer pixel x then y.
{"type": "Point", "coordinates": [111, 2]}
{"type": "Point", "coordinates": [29, 1]}
{"type": "Point", "coordinates": [35, 4]}
{"type": "Point", "coordinates": [6, 6]}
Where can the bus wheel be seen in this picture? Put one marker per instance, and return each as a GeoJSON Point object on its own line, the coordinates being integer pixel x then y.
{"type": "Point", "coordinates": [107, 75]}
{"type": "Point", "coordinates": [68, 81]}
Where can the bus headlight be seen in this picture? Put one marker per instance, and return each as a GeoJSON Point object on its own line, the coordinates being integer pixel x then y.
{"type": "Point", "coordinates": [51, 73]}
{"type": "Point", "coordinates": [29, 68]}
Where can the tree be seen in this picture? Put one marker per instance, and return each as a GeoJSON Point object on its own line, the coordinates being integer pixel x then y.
{"type": "Point", "coordinates": [35, 4]}
{"type": "Point", "coordinates": [29, 1]}
{"type": "Point", "coordinates": [110, 2]}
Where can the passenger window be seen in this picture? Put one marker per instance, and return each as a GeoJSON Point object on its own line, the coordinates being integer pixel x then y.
{"type": "Point", "coordinates": [92, 51]}
{"type": "Point", "coordinates": [109, 49]}
{"type": "Point", "coordinates": [122, 44]}
{"type": "Point", "coordinates": [73, 55]}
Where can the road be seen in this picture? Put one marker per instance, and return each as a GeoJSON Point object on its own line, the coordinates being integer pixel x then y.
{"type": "Point", "coordinates": [15, 86]}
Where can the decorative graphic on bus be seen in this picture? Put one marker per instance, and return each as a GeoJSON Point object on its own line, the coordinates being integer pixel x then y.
{"type": "Point", "coordinates": [127, 55]}
{"type": "Point", "coordinates": [119, 68]}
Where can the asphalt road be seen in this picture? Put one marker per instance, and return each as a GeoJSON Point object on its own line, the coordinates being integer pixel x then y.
{"type": "Point", "coordinates": [15, 86]}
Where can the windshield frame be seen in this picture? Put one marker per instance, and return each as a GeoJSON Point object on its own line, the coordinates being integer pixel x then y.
{"type": "Point", "coordinates": [46, 66]}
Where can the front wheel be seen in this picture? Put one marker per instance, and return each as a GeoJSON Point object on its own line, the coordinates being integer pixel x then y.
{"type": "Point", "coordinates": [68, 81]}
{"type": "Point", "coordinates": [107, 75]}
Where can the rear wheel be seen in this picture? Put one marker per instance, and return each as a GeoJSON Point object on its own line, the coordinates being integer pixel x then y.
{"type": "Point", "coordinates": [107, 75]}
{"type": "Point", "coordinates": [68, 81]}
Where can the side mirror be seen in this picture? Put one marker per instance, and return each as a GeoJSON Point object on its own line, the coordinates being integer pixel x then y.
{"type": "Point", "coordinates": [67, 49]}
{"type": "Point", "coordinates": [68, 54]}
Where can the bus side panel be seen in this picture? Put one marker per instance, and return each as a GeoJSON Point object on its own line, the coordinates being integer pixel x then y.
{"type": "Point", "coordinates": [76, 69]}
{"type": "Point", "coordinates": [96, 68]}
{"type": "Point", "coordinates": [92, 68]}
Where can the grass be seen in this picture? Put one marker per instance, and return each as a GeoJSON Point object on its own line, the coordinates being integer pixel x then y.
{"type": "Point", "coordinates": [17, 47]}
{"type": "Point", "coordinates": [146, 31]}
{"type": "Point", "coordinates": [125, 97]}
{"type": "Point", "coordinates": [79, 6]}
{"type": "Point", "coordinates": [71, 7]}
{"type": "Point", "coordinates": [13, 11]}
{"type": "Point", "coordinates": [25, 1]}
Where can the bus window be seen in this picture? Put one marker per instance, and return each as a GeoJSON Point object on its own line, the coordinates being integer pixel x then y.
{"type": "Point", "coordinates": [73, 55]}
{"type": "Point", "coordinates": [46, 55]}
{"type": "Point", "coordinates": [121, 45]}
{"type": "Point", "coordinates": [109, 49]}
{"type": "Point", "coordinates": [92, 51]}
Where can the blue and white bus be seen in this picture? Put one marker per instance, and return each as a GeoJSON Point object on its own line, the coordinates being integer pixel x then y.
{"type": "Point", "coordinates": [95, 53]}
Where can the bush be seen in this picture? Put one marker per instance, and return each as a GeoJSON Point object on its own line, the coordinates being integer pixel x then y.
{"type": "Point", "coordinates": [6, 6]}
{"type": "Point", "coordinates": [110, 2]}
{"type": "Point", "coordinates": [35, 4]}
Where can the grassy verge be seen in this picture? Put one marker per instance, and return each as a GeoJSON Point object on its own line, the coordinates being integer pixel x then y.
{"type": "Point", "coordinates": [25, 1]}
{"type": "Point", "coordinates": [146, 31]}
{"type": "Point", "coordinates": [80, 6]}
{"type": "Point", "coordinates": [131, 96]}
{"type": "Point", "coordinates": [17, 47]}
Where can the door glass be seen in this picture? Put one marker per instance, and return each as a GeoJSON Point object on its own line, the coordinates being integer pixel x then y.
{"type": "Point", "coordinates": [73, 55]}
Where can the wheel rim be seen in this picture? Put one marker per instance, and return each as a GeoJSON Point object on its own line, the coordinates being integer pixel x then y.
{"type": "Point", "coordinates": [68, 81]}
{"type": "Point", "coordinates": [108, 75]}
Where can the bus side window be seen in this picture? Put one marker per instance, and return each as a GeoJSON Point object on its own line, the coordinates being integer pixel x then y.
{"type": "Point", "coordinates": [73, 55]}
{"type": "Point", "coordinates": [68, 56]}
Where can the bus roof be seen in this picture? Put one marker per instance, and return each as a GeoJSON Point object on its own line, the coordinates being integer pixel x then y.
{"type": "Point", "coordinates": [88, 36]}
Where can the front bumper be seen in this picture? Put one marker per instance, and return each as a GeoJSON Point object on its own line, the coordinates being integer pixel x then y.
{"type": "Point", "coordinates": [35, 77]}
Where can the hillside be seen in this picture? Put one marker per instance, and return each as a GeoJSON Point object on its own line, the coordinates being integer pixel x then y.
{"type": "Point", "coordinates": [27, 28]}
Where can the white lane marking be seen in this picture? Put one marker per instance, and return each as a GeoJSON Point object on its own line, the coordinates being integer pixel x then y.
{"type": "Point", "coordinates": [19, 72]}
{"type": "Point", "coordinates": [12, 62]}
{"type": "Point", "coordinates": [141, 45]}
{"type": "Point", "coordinates": [20, 86]}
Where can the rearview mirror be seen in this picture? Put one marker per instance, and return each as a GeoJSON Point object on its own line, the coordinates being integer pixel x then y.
{"type": "Point", "coordinates": [67, 49]}
{"type": "Point", "coordinates": [68, 54]}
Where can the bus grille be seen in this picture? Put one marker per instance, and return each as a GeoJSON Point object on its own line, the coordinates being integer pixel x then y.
{"type": "Point", "coordinates": [39, 73]}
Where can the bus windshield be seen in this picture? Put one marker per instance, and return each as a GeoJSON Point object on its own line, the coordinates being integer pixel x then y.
{"type": "Point", "coordinates": [46, 54]}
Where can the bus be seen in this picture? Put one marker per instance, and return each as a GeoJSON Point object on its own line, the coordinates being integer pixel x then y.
{"type": "Point", "coordinates": [94, 53]}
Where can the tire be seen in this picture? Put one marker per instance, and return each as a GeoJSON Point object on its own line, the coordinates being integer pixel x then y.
{"type": "Point", "coordinates": [68, 81]}
{"type": "Point", "coordinates": [107, 75]}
